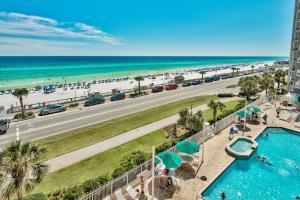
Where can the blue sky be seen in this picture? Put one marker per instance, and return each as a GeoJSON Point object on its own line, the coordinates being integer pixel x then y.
{"type": "Point", "coordinates": [144, 27]}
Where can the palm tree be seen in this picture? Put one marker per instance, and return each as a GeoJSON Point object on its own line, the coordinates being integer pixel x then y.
{"type": "Point", "coordinates": [279, 77]}
{"type": "Point", "coordinates": [19, 93]}
{"type": "Point", "coordinates": [252, 67]}
{"type": "Point", "coordinates": [19, 169]}
{"type": "Point", "coordinates": [233, 69]}
{"type": "Point", "coordinates": [202, 74]}
{"type": "Point", "coordinates": [249, 86]}
{"type": "Point", "coordinates": [215, 106]}
{"type": "Point", "coordinates": [237, 71]}
{"type": "Point", "coordinates": [267, 82]}
{"type": "Point", "coordinates": [139, 79]}
{"type": "Point", "coordinates": [192, 122]}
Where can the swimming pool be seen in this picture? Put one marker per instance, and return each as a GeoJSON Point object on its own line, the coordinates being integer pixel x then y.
{"type": "Point", "coordinates": [252, 179]}
{"type": "Point", "coordinates": [241, 145]}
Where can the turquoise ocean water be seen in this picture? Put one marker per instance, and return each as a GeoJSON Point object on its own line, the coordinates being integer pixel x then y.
{"type": "Point", "coordinates": [31, 71]}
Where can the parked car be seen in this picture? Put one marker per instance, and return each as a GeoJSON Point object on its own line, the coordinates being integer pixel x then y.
{"type": "Point", "coordinates": [4, 124]}
{"type": "Point", "coordinates": [52, 108]}
{"type": "Point", "coordinates": [196, 82]}
{"type": "Point", "coordinates": [157, 89]}
{"type": "Point", "coordinates": [186, 84]}
{"type": "Point", "coordinates": [171, 86]}
{"type": "Point", "coordinates": [118, 96]}
{"type": "Point", "coordinates": [94, 101]}
{"type": "Point", "coordinates": [212, 78]}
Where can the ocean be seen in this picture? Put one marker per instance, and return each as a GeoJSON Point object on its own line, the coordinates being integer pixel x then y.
{"type": "Point", "coordinates": [31, 71]}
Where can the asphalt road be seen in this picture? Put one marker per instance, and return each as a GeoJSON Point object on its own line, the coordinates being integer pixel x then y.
{"type": "Point", "coordinates": [56, 123]}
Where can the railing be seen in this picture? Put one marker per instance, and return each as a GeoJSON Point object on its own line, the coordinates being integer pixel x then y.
{"type": "Point", "coordinates": [133, 176]}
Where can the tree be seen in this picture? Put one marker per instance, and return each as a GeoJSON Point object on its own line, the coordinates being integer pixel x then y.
{"type": "Point", "coordinates": [233, 69]}
{"type": "Point", "coordinates": [279, 77]}
{"type": "Point", "coordinates": [19, 169]}
{"type": "Point", "coordinates": [249, 86]}
{"type": "Point", "coordinates": [202, 75]}
{"type": "Point", "coordinates": [215, 106]}
{"type": "Point", "coordinates": [19, 93]}
{"type": "Point", "coordinates": [192, 122]}
{"type": "Point", "coordinates": [252, 67]}
{"type": "Point", "coordinates": [139, 79]}
{"type": "Point", "coordinates": [267, 82]}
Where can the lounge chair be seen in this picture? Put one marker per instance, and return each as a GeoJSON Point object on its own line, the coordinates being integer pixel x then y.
{"type": "Point", "coordinates": [132, 193]}
{"type": "Point", "coordinates": [297, 124]}
{"type": "Point", "coordinates": [285, 116]}
{"type": "Point", "coordinates": [196, 160]}
{"type": "Point", "coordinates": [119, 195]}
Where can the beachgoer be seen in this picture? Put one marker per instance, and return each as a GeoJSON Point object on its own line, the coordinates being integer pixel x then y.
{"type": "Point", "coordinates": [137, 193]}
{"type": "Point", "coordinates": [297, 197]}
{"type": "Point", "coordinates": [223, 196]}
{"type": "Point", "coordinates": [265, 117]}
{"type": "Point", "coordinates": [231, 132]}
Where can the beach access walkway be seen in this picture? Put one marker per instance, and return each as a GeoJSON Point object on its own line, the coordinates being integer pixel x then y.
{"type": "Point", "coordinates": [73, 157]}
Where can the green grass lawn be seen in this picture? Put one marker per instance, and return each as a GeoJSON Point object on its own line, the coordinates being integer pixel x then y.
{"type": "Point", "coordinates": [85, 136]}
{"type": "Point", "coordinates": [106, 162]}
{"type": "Point", "coordinates": [98, 165]}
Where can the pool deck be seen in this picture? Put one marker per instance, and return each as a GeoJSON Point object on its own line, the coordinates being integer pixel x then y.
{"type": "Point", "coordinates": [217, 159]}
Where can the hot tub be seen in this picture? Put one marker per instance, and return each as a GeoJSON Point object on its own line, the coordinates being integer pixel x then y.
{"type": "Point", "coordinates": [241, 147]}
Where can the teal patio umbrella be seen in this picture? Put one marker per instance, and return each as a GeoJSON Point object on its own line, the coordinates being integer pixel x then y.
{"type": "Point", "coordinates": [252, 108]}
{"type": "Point", "coordinates": [187, 147]}
{"type": "Point", "coordinates": [170, 159]}
{"type": "Point", "coordinates": [242, 113]}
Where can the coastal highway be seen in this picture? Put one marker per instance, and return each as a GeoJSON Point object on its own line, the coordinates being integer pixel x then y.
{"type": "Point", "coordinates": [56, 123]}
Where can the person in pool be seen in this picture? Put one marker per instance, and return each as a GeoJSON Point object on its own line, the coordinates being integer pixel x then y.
{"type": "Point", "coordinates": [262, 159]}
{"type": "Point", "coordinates": [223, 196]}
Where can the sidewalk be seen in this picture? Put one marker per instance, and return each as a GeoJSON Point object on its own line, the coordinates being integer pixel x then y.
{"type": "Point", "coordinates": [73, 157]}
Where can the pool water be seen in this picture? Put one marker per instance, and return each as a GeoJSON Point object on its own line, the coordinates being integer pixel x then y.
{"type": "Point", "coordinates": [254, 180]}
{"type": "Point", "coordinates": [241, 145]}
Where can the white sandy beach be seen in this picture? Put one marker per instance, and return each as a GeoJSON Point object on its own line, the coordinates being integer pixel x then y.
{"type": "Point", "coordinates": [7, 100]}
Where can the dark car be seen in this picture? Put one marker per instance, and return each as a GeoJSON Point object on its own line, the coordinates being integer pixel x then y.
{"type": "Point", "coordinates": [196, 82]}
{"type": "Point", "coordinates": [171, 86]}
{"type": "Point", "coordinates": [157, 89]}
{"type": "Point", "coordinates": [118, 96]}
{"type": "Point", "coordinates": [186, 84]}
{"type": "Point", "coordinates": [212, 78]}
{"type": "Point", "coordinates": [52, 108]}
{"type": "Point", "coordinates": [4, 124]}
{"type": "Point", "coordinates": [94, 101]}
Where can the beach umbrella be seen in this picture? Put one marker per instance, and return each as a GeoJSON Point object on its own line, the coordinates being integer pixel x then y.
{"type": "Point", "coordinates": [242, 113]}
{"type": "Point", "coordinates": [252, 108]}
{"type": "Point", "coordinates": [187, 147]}
{"type": "Point", "coordinates": [170, 159]}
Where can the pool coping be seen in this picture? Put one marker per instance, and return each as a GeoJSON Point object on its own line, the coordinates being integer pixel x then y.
{"type": "Point", "coordinates": [234, 159]}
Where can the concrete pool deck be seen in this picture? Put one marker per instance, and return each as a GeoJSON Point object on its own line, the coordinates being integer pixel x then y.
{"type": "Point", "coordinates": [217, 159]}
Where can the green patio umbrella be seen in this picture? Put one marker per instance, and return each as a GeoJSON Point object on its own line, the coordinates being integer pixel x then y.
{"type": "Point", "coordinates": [170, 159]}
{"type": "Point", "coordinates": [187, 147]}
{"type": "Point", "coordinates": [242, 113]}
{"type": "Point", "coordinates": [252, 108]}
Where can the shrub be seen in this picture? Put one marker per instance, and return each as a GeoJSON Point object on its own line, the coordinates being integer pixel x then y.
{"type": "Point", "coordinates": [179, 79]}
{"type": "Point", "coordinates": [36, 196]}
{"type": "Point", "coordinates": [225, 95]}
{"type": "Point", "coordinates": [117, 172]}
{"type": "Point", "coordinates": [73, 193]}
{"type": "Point", "coordinates": [93, 184]}
{"type": "Point", "coordinates": [27, 115]}
{"type": "Point", "coordinates": [73, 105]}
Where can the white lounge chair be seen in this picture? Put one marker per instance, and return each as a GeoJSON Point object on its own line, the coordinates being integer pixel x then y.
{"type": "Point", "coordinates": [196, 160]}
{"type": "Point", "coordinates": [132, 193]}
{"type": "Point", "coordinates": [119, 195]}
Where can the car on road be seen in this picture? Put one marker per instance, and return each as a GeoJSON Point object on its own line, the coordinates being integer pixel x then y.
{"type": "Point", "coordinates": [171, 86]}
{"type": "Point", "coordinates": [94, 101]}
{"type": "Point", "coordinates": [4, 125]}
{"type": "Point", "coordinates": [52, 108]}
{"type": "Point", "coordinates": [212, 78]}
{"type": "Point", "coordinates": [186, 84]}
{"type": "Point", "coordinates": [157, 89]}
{"type": "Point", "coordinates": [196, 82]}
{"type": "Point", "coordinates": [118, 96]}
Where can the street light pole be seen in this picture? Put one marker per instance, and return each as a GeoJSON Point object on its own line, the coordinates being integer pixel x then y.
{"type": "Point", "coordinates": [18, 134]}
{"type": "Point", "coordinates": [245, 117]}
{"type": "Point", "coordinates": [153, 172]}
